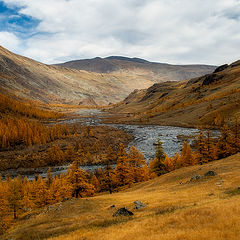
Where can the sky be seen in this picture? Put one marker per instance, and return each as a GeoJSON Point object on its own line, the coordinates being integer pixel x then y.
{"type": "Point", "coordinates": [169, 31]}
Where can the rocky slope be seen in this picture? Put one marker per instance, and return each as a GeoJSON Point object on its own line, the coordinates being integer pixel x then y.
{"type": "Point", "coordinates": [30, 79]}
{"type": "Point", "coordinates": [209, 99]}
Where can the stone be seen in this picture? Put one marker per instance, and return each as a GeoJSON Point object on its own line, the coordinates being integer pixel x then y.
{"type": "Point", "coordinates": [221, 68]}
{"type": "Point", "coordinates": [195, 177]}
{"type": "Point", "coordinates": [210, 173]}
{"type": "Point", "coordinates": [139, 205]}
{"type": "Point", "coordinates": [210, 78]}
{"type": "Point", "coordinates": [122, 212]}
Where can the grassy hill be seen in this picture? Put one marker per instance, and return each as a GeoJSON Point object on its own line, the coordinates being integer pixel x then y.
{"type": "Point", "coordinates": [204, 100]}
{"type": "Point", "coordinates": [177, 208]}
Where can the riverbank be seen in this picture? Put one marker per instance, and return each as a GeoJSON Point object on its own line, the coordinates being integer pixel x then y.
{"type": "Point", "coordinates": [88, 144]}
{"type": "Point", "coordinates": [35, 160]}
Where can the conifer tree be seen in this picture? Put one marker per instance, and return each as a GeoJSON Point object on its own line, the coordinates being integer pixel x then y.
{"type": "Point", "coordinates": [15, 195]}
{"type": "Point", "coordinates": [69, 154]}
{"type": "Point", "coordinates": [42, 193]}
{"type": "Point", "coordinates": [78, 182]}
{"type": "Point", "coordinates": [124, 175]}
{"type": "Point", "coordinates": [157, 164]}
{"type": "Point", "coordinates": [200, 148]}
{"type": "Point", "coordinates": [187, 157]}
{"type": "Point", "coordinates": [94, 181]}
{"type": "Point", "coordinates": [224, 146]}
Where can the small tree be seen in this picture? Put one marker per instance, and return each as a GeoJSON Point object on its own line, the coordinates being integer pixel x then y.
{"type": "Point", "coordinates": [157, 164]}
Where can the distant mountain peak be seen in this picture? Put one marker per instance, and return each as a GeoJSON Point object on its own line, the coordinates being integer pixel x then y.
{"type": "Point", "coordinates": [122, 58]}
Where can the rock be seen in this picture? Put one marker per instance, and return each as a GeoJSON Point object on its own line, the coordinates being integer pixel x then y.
{"type": "Point", "coordinates": [210, 173]}
{"type": "Point", "coordinates": [235, 64]}
{"type": "Point", "coordinates": [195, 177]}
{"type": "Point", "coordinates": [210, 78]}
{"type": "Point", "coordinates": [122, 212]}
{"type": "Point", "coordinates": [139, 205]}
{"type": "Point", "coordinates": [221, 68]}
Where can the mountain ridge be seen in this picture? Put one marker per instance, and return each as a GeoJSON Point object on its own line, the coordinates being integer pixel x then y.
{"type": "Point", "coordinates": [115, 63]}
{"type": "Point", "coordinates": [27, 78]}
{"type": "Point", "coordinates": [204, 100]}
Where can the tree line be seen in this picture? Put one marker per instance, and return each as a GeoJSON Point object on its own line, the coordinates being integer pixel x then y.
{"type": "Point", "coordinates": [18, 195]}
{"type": "Point", "coordinates": [207, 149]}
{"type": "Point", "coordinates": [21, 131]}
{"type": "Point", "coordinates": [10, 106]}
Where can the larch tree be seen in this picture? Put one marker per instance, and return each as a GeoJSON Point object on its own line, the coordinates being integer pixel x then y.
{"type": "Point", "coordinates": [157, 164]}
{"type": "Point", "coordinates": [15, 195]}
{"type": "Point", "coordinates": [78, 182]}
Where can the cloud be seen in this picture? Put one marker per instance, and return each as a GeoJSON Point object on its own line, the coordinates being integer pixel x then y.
{"type": "Point", "coordinates": [174, 31]}
{"type": "Point", "coordinates": [9, 41]}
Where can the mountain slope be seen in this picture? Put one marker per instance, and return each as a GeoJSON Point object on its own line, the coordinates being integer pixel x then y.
{"type": "Point", "coordinates": [151, 70]}
{"type": "Point", "coordinates": [176, 208]}
{"type": "Point", "coordinates": [209, 100]}
{"type": "Point", "coordinates": [51, 84]}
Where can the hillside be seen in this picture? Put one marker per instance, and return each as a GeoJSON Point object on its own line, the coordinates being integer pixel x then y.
{"type": "Point", "coordinates": [27, 78]}
{"type": "Point", "coordinates": [176, 208]}
{"type": "Point", "coordinates": [157, 72]}
{"type": "Point", "coordinates": [205, 100]}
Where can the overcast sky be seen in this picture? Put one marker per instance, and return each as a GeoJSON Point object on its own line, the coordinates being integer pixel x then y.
{"type": "Point", "coordinates": [172, 31]}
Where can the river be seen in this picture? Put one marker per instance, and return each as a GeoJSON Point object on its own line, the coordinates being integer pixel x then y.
{"type": "Point", "coordinates": [144, 138]}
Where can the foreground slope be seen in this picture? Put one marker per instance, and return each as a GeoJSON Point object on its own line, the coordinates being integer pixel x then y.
{"type": "Point", "coordinates": [177, 208]}
{"type": "Point", "coordinates": [205, 100]}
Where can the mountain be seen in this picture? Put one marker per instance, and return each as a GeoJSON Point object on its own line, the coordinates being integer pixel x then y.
{"type": "Point", "coordinates": [30, 79]}
{"type": "Point", "coordinates": [156, 71]}
{"type": "Point", "coordinates": [205, 100]}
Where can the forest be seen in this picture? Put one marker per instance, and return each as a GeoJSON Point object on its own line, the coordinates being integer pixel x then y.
{"type": "Point", "coordinates": [20, 196]}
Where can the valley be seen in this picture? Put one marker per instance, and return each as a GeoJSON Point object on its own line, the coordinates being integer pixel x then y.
{"type": "Point", "coordinates": [119, 120]}
{"type": "Point", "coordinates": [28, 79]}
{"type": "Point", "coordinates": [78, 147]}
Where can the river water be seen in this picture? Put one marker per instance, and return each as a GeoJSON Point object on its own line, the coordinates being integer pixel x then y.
{"type": "Point", "coordinates": [144, 138]}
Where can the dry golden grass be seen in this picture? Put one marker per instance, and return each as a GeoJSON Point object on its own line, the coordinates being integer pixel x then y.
{"type": "Point", "coordinates": [176, 210]}
{"type": "Point", "coordinates": [186, 103]}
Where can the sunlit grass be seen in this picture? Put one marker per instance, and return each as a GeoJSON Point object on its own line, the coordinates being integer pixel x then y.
{"type": "Point", "coordinates": [176, 210]}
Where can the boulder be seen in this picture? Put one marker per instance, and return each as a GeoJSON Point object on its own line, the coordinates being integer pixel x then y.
{"type": "Point", "coordinates": [195, 177]}
{"type": "Point", "coordinates": [210, 78]}
{"type": "Point", "coordinates": [139, 205]}
{"type": "Point", "coordinates": [221, 68]}
{"type": "Point", "coordinates": [210, 173]}
{"type": "Point", "coordinates": [122, 212]}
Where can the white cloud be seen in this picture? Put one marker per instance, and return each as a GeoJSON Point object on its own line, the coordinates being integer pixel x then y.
{"type": "Point", "coordinates": [9, 40]}
{"type": "Point", "coordinates": [174, 31]}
